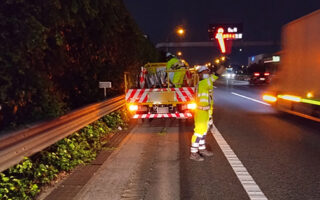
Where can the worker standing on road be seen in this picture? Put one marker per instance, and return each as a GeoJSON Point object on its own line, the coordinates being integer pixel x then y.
{"type": "Point", "coordinates": [175, 64]}
{"type": "Point", "coordinates": [203, 113]}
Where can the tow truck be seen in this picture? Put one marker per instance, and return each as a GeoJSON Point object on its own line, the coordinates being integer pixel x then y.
{"type": "Point", "coordinates": [156, 97]}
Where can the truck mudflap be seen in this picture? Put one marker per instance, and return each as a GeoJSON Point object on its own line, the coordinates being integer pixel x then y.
{"type": "Point", "coordinates": [184, 94]}
{"type": "Point", "coordinates": [158, 116]}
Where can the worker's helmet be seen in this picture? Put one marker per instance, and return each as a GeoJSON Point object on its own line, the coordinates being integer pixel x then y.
{"type": "Point", "coordinates": [202, 68]}
{"type": "Point", "coordinates": [168, 54]}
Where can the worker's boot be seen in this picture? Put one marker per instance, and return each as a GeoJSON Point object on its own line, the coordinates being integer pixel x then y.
{"type": "Point", "coordinates": [205, 152]}
{"type": "Point", "coordinates": [196, 157]}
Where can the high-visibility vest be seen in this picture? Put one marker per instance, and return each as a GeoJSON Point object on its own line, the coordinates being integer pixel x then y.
{"type": "Point", "coordinates": [172, 62]}
{"type": "Point", "coordinates": [205, 91]}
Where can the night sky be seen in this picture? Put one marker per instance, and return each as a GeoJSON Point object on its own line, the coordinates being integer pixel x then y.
{"type": "Point", "coordinates": [262, 21]}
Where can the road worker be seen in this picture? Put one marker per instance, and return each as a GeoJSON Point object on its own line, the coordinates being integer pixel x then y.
{"type": "Point", "coordinates": [176, 77]}
{"type": "Point", "coordinates": [203, 113]}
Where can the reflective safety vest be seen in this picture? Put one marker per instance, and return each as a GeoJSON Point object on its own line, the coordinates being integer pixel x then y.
{"type": "Point", "coordinates": [176, 77]}
{"type": "Point", "coordinates": [172, 62]}
{"type": "Point", "coordinates": [205, 93]}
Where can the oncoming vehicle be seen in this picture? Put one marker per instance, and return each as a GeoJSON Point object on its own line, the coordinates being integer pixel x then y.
{"type": "Point", "coordinates": [156, 97]}
{"type": "Point", "coordinates": [229, 74]}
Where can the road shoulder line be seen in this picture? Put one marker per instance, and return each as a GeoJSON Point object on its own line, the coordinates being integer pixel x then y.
{"type": "Point", "coordinates": [261, 102]}
{"type": "Point", "coordinates": [250, 186]}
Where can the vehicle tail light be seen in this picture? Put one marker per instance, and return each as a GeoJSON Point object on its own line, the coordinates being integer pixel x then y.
{"type": "Point", "coordinates": [192, 106]}
{"type": "Point", "coordinates": [133, 107]}
{"type": "Point", "coordinates": [256, 74]}
{"type": "Point", "coordinates": [267, 74]}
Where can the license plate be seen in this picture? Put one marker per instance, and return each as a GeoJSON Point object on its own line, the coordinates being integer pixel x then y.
{"type": "Point", "coordinates": [163, 110]}
{"type": "Point", "coordinates": [262, 79]}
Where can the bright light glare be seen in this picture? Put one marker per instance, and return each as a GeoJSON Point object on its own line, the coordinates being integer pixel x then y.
{"type": "Point", "coordinates": [223, 58]}
{"type": "Point", "coordinates": [180, 31]}
{"type": "Point", "coordinates": [309, 95]}
{"type": "Point", "coordinates": [267, 74]}
{"type": "Point", "coordinates": [133, 107]}
{"type": "Point", "coordinates": [192, 106]}
{"type": "Point", "coordinates": [269, 98]}
{"type": "Point", "coordinates": [290, 98]}
{"type": "Point", "coordinates": [256, 74]}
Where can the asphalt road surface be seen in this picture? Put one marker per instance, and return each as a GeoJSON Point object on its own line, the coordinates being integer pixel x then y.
{"type": "Point", "coordinates": [258, 154]}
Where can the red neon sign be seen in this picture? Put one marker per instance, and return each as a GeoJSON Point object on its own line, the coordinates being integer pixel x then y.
{"type": "Point", "coordinates": [223, 35]}
{"type": "Point", "coordinates": [220, 38]}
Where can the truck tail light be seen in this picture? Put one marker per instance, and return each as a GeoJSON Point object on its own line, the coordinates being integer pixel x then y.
{"type": "Point", "coordinates": [133, 107]}
{"type": "Point", "coordinates": [192, 106]}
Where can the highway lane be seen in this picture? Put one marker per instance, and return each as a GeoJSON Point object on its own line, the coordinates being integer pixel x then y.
{"type": "Point", "coordinates": [280, 152]}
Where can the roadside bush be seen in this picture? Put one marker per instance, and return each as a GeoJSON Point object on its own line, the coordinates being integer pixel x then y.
{"type": "Point", "coordinates": [24, 180]}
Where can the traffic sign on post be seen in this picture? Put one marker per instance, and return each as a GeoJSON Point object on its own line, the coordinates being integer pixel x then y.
{"type": "Point", "coordinates": [105, 85]}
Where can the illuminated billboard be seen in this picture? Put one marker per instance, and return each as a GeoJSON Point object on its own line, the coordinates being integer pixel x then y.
{"type": "Point", "coordinates": [230, 30]}
{"type": "Point", "coordinates": [225, 32]}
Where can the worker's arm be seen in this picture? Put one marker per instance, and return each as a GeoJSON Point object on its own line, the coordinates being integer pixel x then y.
{"type": "Point", "coordinates": [219, 71]}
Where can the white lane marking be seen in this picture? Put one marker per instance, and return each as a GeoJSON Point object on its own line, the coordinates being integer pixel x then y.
{"type": "Point", "coordinates": [250, 186]}
{"type": "Point", "coordinates": [239, 95]}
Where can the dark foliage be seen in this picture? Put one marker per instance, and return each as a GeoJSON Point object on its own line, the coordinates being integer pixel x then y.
{"type": "Point", "coordinates": [54, 53]}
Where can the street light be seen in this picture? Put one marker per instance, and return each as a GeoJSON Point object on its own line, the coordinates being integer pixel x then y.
{"type": "Point", "coordinates": [180, 31]}
{"type": "Point", "coordinates": [217, 61]}
{"type": "Point", "coordinates": [179, 53]}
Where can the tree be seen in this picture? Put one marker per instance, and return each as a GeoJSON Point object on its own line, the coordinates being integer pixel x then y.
{"type": "Point", "coordinates": [54, 53]}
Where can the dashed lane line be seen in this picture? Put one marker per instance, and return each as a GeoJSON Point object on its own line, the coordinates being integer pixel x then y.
{"type": "Point", "coordinates": [261, 102]}
{"type": "Point", "coordinates": [250, 186]}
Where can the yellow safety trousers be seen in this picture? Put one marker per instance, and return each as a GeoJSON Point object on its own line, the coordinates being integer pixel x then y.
{"type": "Point", "coordinates": [178, 77]}
{"type": "Point", "coordinates": [201, 117]}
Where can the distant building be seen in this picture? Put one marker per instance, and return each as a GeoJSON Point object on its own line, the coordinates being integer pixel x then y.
{"type": "Point", "coordinates": [264, 58]}
{"type": "Point", "coordinates": [256, 59]}
{"type": "Point", "coordinates": [268, 62]}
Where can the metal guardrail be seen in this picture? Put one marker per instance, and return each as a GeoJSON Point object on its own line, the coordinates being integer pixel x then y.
{"type": "Point", "coordinates": [17, 145]}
